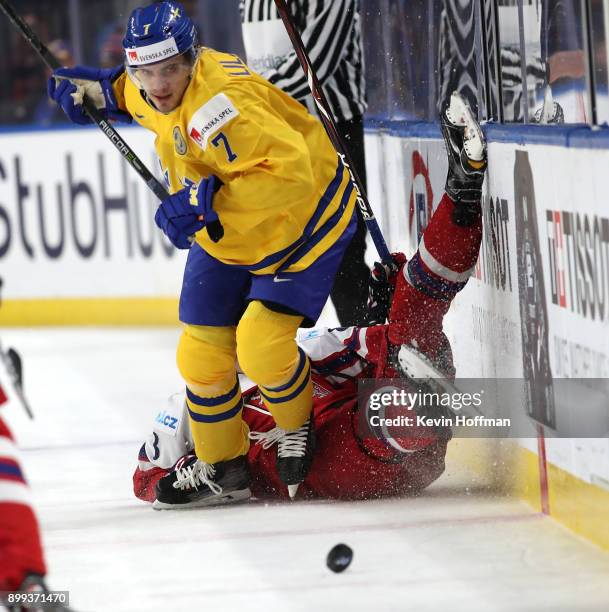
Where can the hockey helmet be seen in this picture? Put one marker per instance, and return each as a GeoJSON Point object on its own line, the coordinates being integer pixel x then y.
{"type": "Point", "coordinates": [157, 32]}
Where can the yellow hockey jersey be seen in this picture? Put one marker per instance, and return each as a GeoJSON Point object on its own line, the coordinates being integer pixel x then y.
{"type": "Point", "coordinates": [285, 191]}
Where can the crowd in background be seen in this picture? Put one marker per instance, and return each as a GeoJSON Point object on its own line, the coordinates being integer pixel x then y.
{"type": "Point", "coordinates": [84, 32]}
{"type": "Point", "coordinates": [415, 50]}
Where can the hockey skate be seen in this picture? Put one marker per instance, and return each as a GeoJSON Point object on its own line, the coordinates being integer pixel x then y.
{"type": "Point", "coordinates": [196, 484]}
{"type": "Point", "coordinates": [412, 363]}
{"type": "Point", "coordinates": [35, 585]}
{"type": "Point", "coordinates": [466, 149]}
{"type": "Point", "coordinates": [294, 452]}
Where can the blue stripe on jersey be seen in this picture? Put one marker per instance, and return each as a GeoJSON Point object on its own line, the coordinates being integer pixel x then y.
{"type": "Point", "coordinates": [342, 362]}
{"type": "Point", "coordinates": [142, 456]}
{"type": "Point", "coordinates": [353, 342]}
{"type": "Point", "coordinates": [322, 232]}
{"type": "Point", "coordinates": [322, 205]}
{"type": "Point", "coordinates": [10, 470]}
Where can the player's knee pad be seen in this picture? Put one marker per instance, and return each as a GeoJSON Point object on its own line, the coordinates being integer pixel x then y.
{"type": "Point", "coordinates": [268, 354]}
{"type": "Point", "coordinates": [266, 344]}
{"type": "Point", "coordinates": [206, 358]}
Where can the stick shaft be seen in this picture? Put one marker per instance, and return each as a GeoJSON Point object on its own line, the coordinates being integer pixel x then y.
{"type": "Point", "coordinates": [113, 136]}
{"type": "Point", "coordinates": [328, 121]}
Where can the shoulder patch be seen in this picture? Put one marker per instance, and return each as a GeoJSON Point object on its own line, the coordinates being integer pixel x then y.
{"type": "Point", "coordinates": [178, 140]}
{"type": "Point", "coordinates": [208, 119]}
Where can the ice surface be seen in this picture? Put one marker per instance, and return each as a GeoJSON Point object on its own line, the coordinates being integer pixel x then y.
{"type": "Point", "coordinates": [95, 393]}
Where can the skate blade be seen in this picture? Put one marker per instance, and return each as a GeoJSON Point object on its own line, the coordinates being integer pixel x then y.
{"type": "Point", "coordinates": [415, 365]}
{"type": "Point", "coordinates": [460, 114]}
{"type": "Point", "coordinates": [215, 500]}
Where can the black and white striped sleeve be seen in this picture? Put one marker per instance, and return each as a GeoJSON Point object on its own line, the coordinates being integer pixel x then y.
{"type": "Point", "coordinates": [326, 36]}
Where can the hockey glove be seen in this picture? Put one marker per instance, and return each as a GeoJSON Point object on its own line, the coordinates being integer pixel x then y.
{"type": "Point", "coordinates": [380, 288]}
{"type": "Point", "coordinates": [184, 213]}
{"type": "Point", "coordinates": [68, 86]}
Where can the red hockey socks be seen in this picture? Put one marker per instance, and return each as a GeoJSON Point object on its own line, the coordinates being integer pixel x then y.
{"type": "Point", "coordinates": [430, 280]}
{"type": "Point", "coordinates": [20, 547]}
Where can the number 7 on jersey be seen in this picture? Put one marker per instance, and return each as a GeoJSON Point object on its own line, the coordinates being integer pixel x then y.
{"type": "Point", "coordinates": [221, 138]}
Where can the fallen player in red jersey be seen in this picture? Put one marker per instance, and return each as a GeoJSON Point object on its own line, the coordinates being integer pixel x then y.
{"type": "Point", "coordinates": [349, 464]}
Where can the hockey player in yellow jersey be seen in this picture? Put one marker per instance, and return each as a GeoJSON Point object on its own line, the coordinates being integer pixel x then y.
{"type": "Point", "coordinates": [266, 209]}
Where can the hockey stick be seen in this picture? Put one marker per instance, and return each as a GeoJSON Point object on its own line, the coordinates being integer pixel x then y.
{"type": "Point", "coordinates": [11, 362]}
{"type": "Point", "coordinates": [328, 121]}
{"type": "Point", "coordinates": [123, 148]}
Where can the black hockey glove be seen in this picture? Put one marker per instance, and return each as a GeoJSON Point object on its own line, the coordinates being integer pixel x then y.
{"type": "Point", "coordinates": [380, 289]}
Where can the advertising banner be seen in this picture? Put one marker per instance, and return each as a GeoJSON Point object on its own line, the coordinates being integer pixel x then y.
{"type": "Point", "coordinates": [77, 222]}
{"type": "Point", "coordinates": [537, 308]}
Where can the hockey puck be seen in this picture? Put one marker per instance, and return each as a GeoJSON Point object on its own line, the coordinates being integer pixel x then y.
{"type": "Point", "coordinates": [339, 558]}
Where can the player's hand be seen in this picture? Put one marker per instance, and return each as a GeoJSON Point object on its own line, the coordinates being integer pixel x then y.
{"type": "Point", "coordinates": [380, 288]}
{"type": "Point", "coordinates": [186, 212]}
{"type": "Point", "coordinates": [68, 86]}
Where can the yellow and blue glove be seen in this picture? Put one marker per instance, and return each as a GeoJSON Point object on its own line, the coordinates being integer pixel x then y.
{"type": "Point", "coordinates": [68, 86]}
{"type": "Point", "coordinates": [186, 212]}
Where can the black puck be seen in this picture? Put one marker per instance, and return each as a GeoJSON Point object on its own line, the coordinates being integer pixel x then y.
{"type": "Point", "coordinates": [339, 558]}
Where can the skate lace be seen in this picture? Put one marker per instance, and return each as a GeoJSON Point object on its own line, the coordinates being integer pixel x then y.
{"type": "Point", "coordinates": [266, 439]}
{"type": "Point", "coordinates": [289, 443]}
{"type": "Point", "coordinates": [199, 473]}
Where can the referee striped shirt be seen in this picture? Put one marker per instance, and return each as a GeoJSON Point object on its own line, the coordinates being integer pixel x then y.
{"type": "Point", "coordinates": [331, 33]}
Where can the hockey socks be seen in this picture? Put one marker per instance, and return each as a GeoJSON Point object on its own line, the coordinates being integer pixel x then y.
{"type": "Point", "coordinates": [206, 359]}
{"type": "Point", "coordinates": [427, 284]}
{"type": "Point", "coordinates": [20, 546]}
{"type": "Point", "coordinates": [218, 430]}
{"type": "Point", "coordinates": [269, 355]}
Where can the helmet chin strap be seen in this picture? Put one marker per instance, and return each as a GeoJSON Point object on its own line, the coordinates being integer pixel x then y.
{"type": "Point", "coordinates": [149, 101]}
